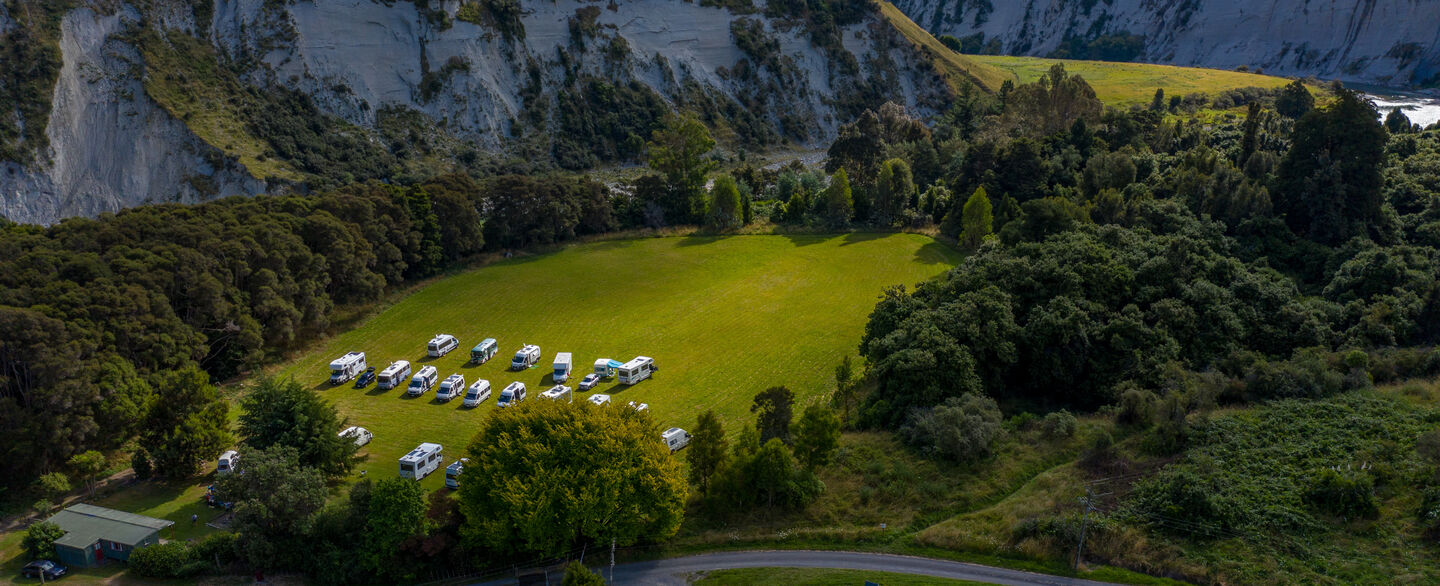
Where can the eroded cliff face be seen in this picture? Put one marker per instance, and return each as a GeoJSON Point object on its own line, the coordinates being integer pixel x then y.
{"type": "Point", "coordinates": [1383, 42]}
{"type": "Point", "coordinates": [112, 146]}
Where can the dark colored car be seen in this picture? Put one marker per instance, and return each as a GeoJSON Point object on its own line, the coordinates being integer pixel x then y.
{"type": "Point", "coordinates": [50, 570]}
{"type": "Point", "coordinates": [365, 378]}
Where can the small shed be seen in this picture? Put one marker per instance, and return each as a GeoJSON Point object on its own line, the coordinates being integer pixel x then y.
{"type": "Point", "coordinates": [95, 534]}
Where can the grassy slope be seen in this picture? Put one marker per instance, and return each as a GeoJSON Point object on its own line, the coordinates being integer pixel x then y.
{"type": "Point", "coordinates": [723, 317]}
{"type": "Point", "coordinates": [954, 67]}
{"type": "Point", "coordinates": [1125, 84]}
{"type": "Point", "coordinates": [819, 577]}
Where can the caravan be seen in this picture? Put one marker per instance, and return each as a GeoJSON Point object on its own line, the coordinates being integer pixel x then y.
{"type": "Point", "coordinates": [600, 400]}
{"type": "Point", "coordinates": [558, 393]}
{"type": "Point", "coordinates": [451, 387]}
{"type": "Point", "coordinates": [675, 438]}
{"type": "Point", "coordinates": [562, 368]}
{"type": "Point", "coordinates": [605, 367]}
{"type": "Point", "coordinates": [636, 370]}
{"type": "Point", "coordinates": [393, 375]}
{"type": "Point", "coordinates": [346, 367]}
{"type": "Point", "coordinates": [513, 393]}
{"type": "Point", "coordinates": [452, 473]}
{"type": "Point", "coordinates": [421, 461]}
{"type": "Point", "coordinates": [526, 357]}
{"type": "Point", "coordinates": [478, 392]}
{"type": "Point", "coordinates": [483, 351]}
{"type": "Point", "coordinates": [441, 345]}
{"type": "Point", "coordinates": [422, 381]}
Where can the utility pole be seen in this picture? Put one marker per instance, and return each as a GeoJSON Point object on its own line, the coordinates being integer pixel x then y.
{"type": "Point", "coordinates": [612, 560]}
{"type": "Point", "coordinates": [1088, 501]}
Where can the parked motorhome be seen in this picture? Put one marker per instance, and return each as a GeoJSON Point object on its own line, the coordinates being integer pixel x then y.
{"type": "Point", "coordinates": [477, 393]}
{"type": "Point", "coordinates": [227, 462]}
{"type": "Point", "coordinates": [346, 367]}
{"type": "Point", "coordinates": [421, 461]}
{"type": "Point", "coordinates": [641, 407]}
{"type": "Point", "coordinates": [393, 375]}
{"type": "Point", "coordinates": [528, 355]}
{"type": "Point", "coordinates": [605, 367]}
{"type": "Point", "coordinates": [361, 435]}
{"type": "Point", "coordinates": [635, 371]}
{"type": "Point", "coordinates": [512, 394]}
{"type": "Point", "coordinates": [451, 387]}
{"type": "Point", "coordinates": [484, 351]}
{"type": "Point", "coordinates": [452, 473]}
{"type": "Point", "coordinates": [600, 399]}
{"type": "Point", "coordinates": [675, 438]}
{"type": "Point", "coordinates": [558, 393]}
{"type": "Point", "coordinates": [422, 381]}
{"type": "Point", "coordinates": [441, 345]}
{"type": "Point", "coordinates": [562, 368]}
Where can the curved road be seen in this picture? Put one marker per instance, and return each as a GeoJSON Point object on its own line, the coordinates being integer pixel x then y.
{"type": "Point", "coordinates": [675, 571]}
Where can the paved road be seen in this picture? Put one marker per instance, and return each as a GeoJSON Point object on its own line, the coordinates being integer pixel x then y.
{"type": "Point", "coordinates": [674, 571]}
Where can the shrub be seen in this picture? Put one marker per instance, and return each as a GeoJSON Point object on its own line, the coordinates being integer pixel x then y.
{"type": "Point", "coordinates": [1346, 494]}
{"type": "Point", "coordinates": [576, 574]}
{"type": "Point", "coordinates": [962, 428]}
{"type": "Point", "coordinates": [162, 560]}
{"type": "Point", "coordinates": [39, 542]}
{"type": "Point", "coordinates": [1137, 407]}
{"type": "Point", "coordinates": [218, 548]}
{"type": "Point", "coordinates": [140, 462]}
{"type": "Point", "coordinates": [1060, 424]}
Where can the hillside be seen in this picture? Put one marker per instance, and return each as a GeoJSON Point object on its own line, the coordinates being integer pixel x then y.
{"type": "Point", "coordinates": [180, 101]}
{"type": "Point", "coordinates": [1129, 84]}
{"type": "Point", "coordinates": [958, 69]}
{"type": "Point", "coordinates": [1384, 43]}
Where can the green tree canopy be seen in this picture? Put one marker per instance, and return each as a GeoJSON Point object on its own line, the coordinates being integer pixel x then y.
{"type": "Point", "coordinates": [836, 201]}
{"type": "Point", "coordinates": [817, 436]}
{"type": "Point", "coordinates": [707, 449]}
{"type": "Point", "coordinates": [773, 409]}
{"type": "Point", "coordinates": [191, 425]}
{"type": "Point", "coordinates": [724, 206]}
{"type": "Point", "coordinates": [976, 220]}
{"type": "Point", "coordinates": [1329, 182]}
{"type": "Point", "coordinates": [1294, 100]}
{"type": "Point", "coordinates": [275, 503]}
{"type": "Point", "coordinates": [394, 513]}
{"type": "Point", "coordinates": [678, 153]}
{"type": "Point", "coordinates": [283, 412]}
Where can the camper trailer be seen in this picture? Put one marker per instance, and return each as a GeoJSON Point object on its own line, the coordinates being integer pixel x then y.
{"type": "Point", "coordinates": [421, 461]}
{"type": "Point", "coordinates": [562, 368]}
{"type": "Point", "coordinates": [478, 392]}
{"type": "Point", "coordinates": [441, 345]}
{"type": "Point", "coordinates": [635, 371]}
{"type": "Point", "coordinates": [452, 473]}
{"type": "Point", "coordinates": [605, 367]}
{"type": "Point", "coordinates": [513, 393]}
{"type": "Point", "coordinates": [346, 367]}
{"type": "Point", "coordinates": [600, 399]}
{"type": "Point", "coordinates": [641, 407]}
{"type": "Point", "coordinates": [393, 376]}
{"type": "Point", "coordinates": [227, 462]}
{"type": "Point", "coordinates": [484, 351]}
{"type": "Point", "coordinates": [558, 393]}
{"type": "Point", "coordinates": [526, 357]}
{"type": "Point", "coordinates": [675, 438]}
{"type": "Point", "coordinates": [451, 387]}
{"type": "Point", "coordinates": [422, 381]}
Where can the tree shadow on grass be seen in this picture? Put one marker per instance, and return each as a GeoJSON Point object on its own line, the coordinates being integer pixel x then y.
{"type": "Point", "coordinates": [375, 390]}
{"type": "Point", "coordinates": [807, 239]}
{"type": "Point", "coordinates": [933, 253]}
{"type": "Point", "coordinates": [698, 240]}
{"type": "Point", "coordinates": [858, 237]}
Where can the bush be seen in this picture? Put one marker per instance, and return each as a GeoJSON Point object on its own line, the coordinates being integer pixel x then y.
{"type": "Point", "coordinates": [1060, 424]}
{"type": "Point", "coordinates": [576, 574]}
{"type": "Point", "coordinates": [39, 542]}
{"type": "Point", "coordinates": [1137, 407]}
{"type": "Point", "coordinates": [218, 548]}
{"type": "Point", "coordinates": [140, 462]}
{"type": "Point", "coordinates": [162, 560]}
{"type": "Point", "coordinates": [1346, 494]}
{"type": "Point", "coordinates": [962, 428]}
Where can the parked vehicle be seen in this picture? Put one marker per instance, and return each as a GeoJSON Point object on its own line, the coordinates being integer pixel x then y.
{"type": "Point", "coordinates": [635, 371]}
{"type": "Point", "coordinates": [365, 378]}
{"type": "Point", "coordinates": [452, 473]}
{"type": "Point", "coordinates": [605, 367]}
{"type": "Point", "coordinates": [641, 407]}
{"type": "Point", "coordinates": [590, 381]}
{"type": "Point", "coordinates": [346, 367]}
{"type": "Point", "coordinates": [422, 381]}
{"type": "Point", "coordinates": [214, 501]}
{"type": "Point", "coordinates": [421, 461]}
{"type": "Point", "coordinates": [562, 368]}
{"type": "Point", "coordinates": [512, 394]}
{"type": "Point", "coordinates": [599, 399]}
{"type": "Point", "coordinates": [227, 462]}
{"type": "Point", "coordinates": [675, 438]}
{"type": "Point", "coordinates": [46, 570]}
{"type": "Point", "coordinates": [361, 435]}
{"type": "Point", "coordinates": [441, 345]}
{"type": "Point", "coordinates": [484, 351]}
{"type": "Point", "coordinates": [477, 393]}
{"type": "Point", "coordinates": [528, 355]}
{"type": "Point", "coordinates": [451, 387]}
{"type": "Point", "coordinates": [393, 375]}
{"type": "Point", "coordinates": [558, 393]}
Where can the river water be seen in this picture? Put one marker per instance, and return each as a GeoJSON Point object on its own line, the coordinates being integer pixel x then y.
{"type": "Point", "coordinates": [1421, 109]}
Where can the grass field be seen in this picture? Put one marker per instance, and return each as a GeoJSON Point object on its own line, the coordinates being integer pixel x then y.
{"type": "Point", "coordinates": [820, 577]}
{"type": "Point", "coordinates": [1125, 84]}
{"type": "Point", "coordinates": [954, 67]}
{"type": "Point", "coordinates": [723, 317]}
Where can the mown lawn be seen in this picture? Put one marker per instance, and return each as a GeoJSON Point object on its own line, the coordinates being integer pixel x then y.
{"type": "Point", "coordinates": [1126, 84]}
{"type": "Point", "coordinates": [820, 577]}
{"type": "Point", "coordinates": [724, 317]}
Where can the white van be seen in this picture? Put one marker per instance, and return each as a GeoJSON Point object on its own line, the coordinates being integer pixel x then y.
{"type": "Point", "coordinates": [558, 393]}
{"type": "Point", "coordinates": [478, 392]}
{"type": "Point", "coordinates": [421, 461]}
{"type": "Point", "coordinates": [393, 375]}
{"type": "Point", "coordinates": [675, 438]}
{"type": "Point", "coordinates": [599, 399]}
{"type": "Point", "coordinates": [641, 407]}
{"type": "Point", "coordinates": [636, 370]}
{"type": "Point", "coordinates": [441, 345]}
{"type": "Point", "coordinates": [605, 367]}
{"type": "Point", "coordinates": [452, 473]}
{"type": "Point", "coordinates": [361, 435]}
{"type": "Point", "coordinates": [422, 381]}
{"type": "Point", "coordinates": [528, 355]}
{"type": "Point", "coordinates": [512, 394]}
{"type": "Point", "coordinates": [227, 462]}
{"type": "Point", "coordinates": [346, 367]}
{"type": "Point", "coordinates": [562, 368]}
{"type": "Point", "coordinates": [451, 387]}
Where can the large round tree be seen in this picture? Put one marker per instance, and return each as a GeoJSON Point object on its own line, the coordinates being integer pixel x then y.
{"type": "Point", "coordinates": [546, 477]}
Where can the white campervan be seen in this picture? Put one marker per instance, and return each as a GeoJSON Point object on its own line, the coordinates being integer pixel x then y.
{"type": "Point", "coordinates": [227, 462]}
{"type": "Point", "coordinates": [453, 471]}
{"type": "Point", "coordinates": [512, 394]}
{"type": "Point", "coordinates": [562, 368]}
{"type": "Point", "coordinates": [422, 381]}
{"type": "Point", "coordinates": [600, 399]}
{"type": "Point", "coordinates": [361, 435]}
{"type": "Point", "coordinates": [528, 355]}
{"type": "Point", "coordinates": [441, 345]}
{"type": "Point", "coordinates": [558, 393]}
{"type": "Point", "coordinates": [346, 367]}
{"type": "Point", "coordinates": [635, 371]}
{"type": "Point", "coordinates": [675, 438]}
{"type": "Point", "coordinates": [451, 387]}
{"type": "Point", "coordinates": [641, 407]}
{"type": "Point", "coordinates": [393, 375]}
{"type": "Point", "coordinates": [605, 367]}
{"type": "Point", "coordinates": [421, 461]}
{"type": "Point", "coordinates": [477, 393]}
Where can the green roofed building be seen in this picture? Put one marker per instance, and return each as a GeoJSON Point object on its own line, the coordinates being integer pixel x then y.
{"type": "Point", "coordinates": [95, 534]}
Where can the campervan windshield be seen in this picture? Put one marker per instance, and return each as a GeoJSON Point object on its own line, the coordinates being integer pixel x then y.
{"type": "Point", "coordinates": [407, 466]}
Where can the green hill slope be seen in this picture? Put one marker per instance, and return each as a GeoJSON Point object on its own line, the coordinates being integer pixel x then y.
{"type": "Point", "coordinates": [957, 69]}
{"type": "Point", "coordinates": [1124, 84]}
